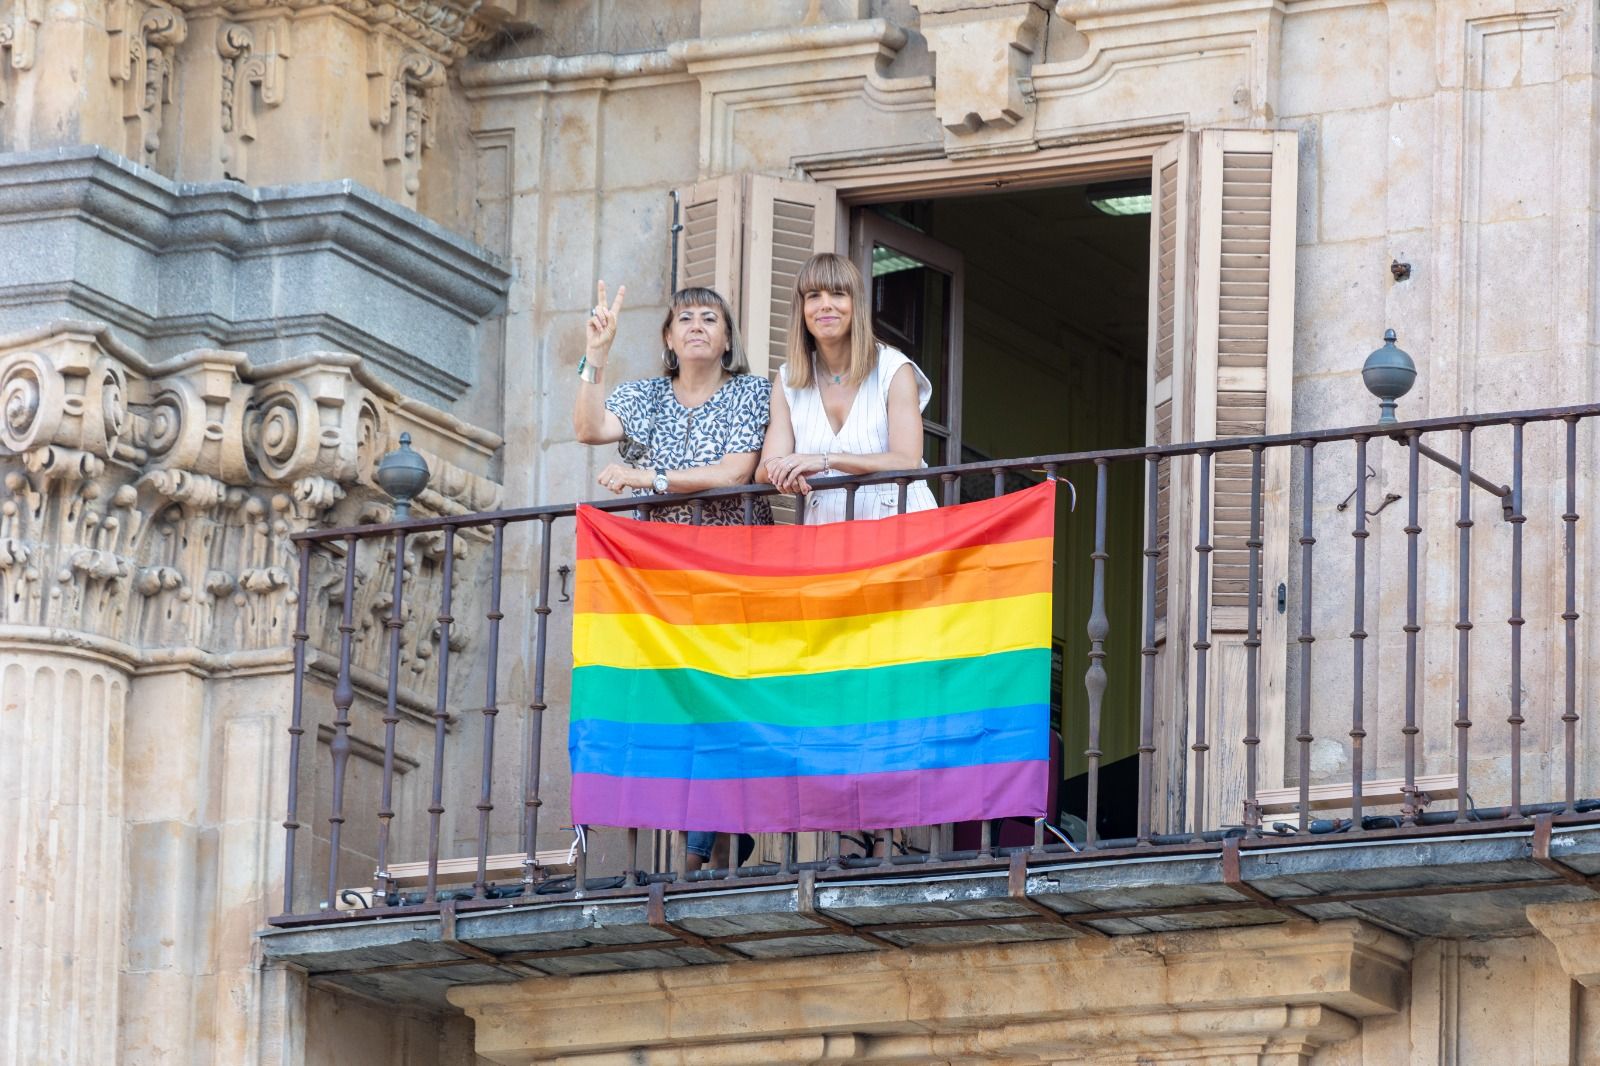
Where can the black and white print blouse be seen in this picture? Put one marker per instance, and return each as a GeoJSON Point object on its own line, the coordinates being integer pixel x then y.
{"type": "Point", "coordinates": [658, 431]}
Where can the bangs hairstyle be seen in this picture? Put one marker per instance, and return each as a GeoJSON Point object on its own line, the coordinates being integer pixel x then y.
{"type": "Point", "coordinates": [827, 272]}
{"type": "Point", "coordinates": [699, 296]}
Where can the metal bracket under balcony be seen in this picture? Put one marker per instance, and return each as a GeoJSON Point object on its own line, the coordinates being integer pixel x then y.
{"type": "Point", "coordinates": [1421, 882]}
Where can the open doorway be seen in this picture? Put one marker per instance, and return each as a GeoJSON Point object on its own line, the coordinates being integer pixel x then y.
{"type": "Point", "coordinates": [1029, 312]}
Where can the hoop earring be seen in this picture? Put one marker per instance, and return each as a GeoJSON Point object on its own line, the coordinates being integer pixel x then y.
{"type": "Point", "coordinates": [727, 360]}
{"type": "Point", "coordinates": [669, 358]}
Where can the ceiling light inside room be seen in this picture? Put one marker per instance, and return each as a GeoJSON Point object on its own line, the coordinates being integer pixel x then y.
{"type": "Point", "coordinates": [1120, 198]}
{"type": "Point", "coordinates": [888, 261]}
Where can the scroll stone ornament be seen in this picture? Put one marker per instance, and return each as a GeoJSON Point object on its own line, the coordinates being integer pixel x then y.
{"type": "Point", "coordinates": [165, 521]}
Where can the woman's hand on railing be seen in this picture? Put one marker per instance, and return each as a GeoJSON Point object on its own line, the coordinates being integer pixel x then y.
{"type": "Point", "coordinates": [788, 472]}
{"type": "Point", "coordinates": [618, 477]}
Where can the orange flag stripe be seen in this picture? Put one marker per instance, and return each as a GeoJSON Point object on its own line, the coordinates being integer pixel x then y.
{"type": "Point", "coordinates": [706, 597]}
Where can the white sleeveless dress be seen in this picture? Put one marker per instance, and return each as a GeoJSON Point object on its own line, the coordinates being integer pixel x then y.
{"type": "Point", "coordinates": [865, 430]}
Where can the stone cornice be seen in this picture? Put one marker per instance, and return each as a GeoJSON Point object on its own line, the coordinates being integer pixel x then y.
{"type": "Point", "coordinates": [546, 73]}
{"type": "Point", "coordinates": [1284, 988]}
{"type": "Point", "coordinates": [242, 221]}
{"type": "Point", "coordinates": [443, 27]}
{"type": "Point", "coordinates": [1094, 14]}
{"type": "Point", "coordinates": [762, 47]}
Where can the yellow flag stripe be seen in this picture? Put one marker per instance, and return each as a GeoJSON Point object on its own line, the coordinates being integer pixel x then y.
{"type": "Point", "coordinates": [768, 649]}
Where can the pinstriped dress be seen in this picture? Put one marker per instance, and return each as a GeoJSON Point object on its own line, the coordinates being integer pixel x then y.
{"type": "Point", "coordinates": [865, 430]}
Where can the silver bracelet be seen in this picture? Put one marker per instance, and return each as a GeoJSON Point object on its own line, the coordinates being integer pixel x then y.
{"type": "Point", "coordinates": [827, 467]}
{"type": "Point", "coordinates": [587, 370]}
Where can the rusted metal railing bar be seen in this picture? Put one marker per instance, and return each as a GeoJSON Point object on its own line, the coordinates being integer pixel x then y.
{"type": "Point", "coordinates": [1252, 655]}
{"type": "Point", "coordinates": [441, 711]}
{"type": "Point", "coordinates": [1306, 638]}
{"type": "Point", "coordinates": [491, 710]}
{"type": "Point", "coordinates": [1408, 810]}
{"type": "Point", "coordinates": [1034, 462]}
{"type": "Point", "coordinates": [1202, 640]}
{"type": "Point", "coordinates": [291, 819]}
{"type": "Point", "coordinates": [1569, 619]}
{"type": "Point", "coordinates": [1358, 639]}
{"type": "Point", "coordinates": [344, 696]}
{"type": "Point", "coordinates": [1499, 492]}
{"type": "Point", "coordinates": [533, 754]}
{"type": "Point", "coordinates": [1147, 701]}
{"type": "Point", "coordinates": [381, 881]}
{"type": "Point", "coordinates": [1094, 680]}
{"type": "Point", "coordinates": [1463, 721]}
{"type": "Point", "coordinates": [1517, 520]}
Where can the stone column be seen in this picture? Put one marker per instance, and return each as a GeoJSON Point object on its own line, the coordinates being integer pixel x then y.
{"type": "Point", "coordinates": [61, 841]}
{"type": "Point", "coordinates": [148, 594]}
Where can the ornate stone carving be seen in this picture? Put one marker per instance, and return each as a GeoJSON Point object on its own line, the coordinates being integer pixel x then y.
{"type": "Point", "coordinates": [442, 27]}
{"type": "Point", "coordinates": [153, 506]}
{"type": "Point", "coordinates": [402, 90]}
{"type": "Point", "coordinates": [19, 34]}
{"type": "Point", "coordinates": [144, 40]}
{"type": "Point", "coordinates": [984, 54]}
{"type": "Point", "coordinates": [255, 56]}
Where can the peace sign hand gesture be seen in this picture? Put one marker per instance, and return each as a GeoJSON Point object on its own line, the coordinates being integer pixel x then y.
{"type": "Point", "coordinates": [602, 325]}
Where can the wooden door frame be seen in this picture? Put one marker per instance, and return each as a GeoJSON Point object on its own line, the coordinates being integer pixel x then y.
{"type": "Point", "coordinates": [859, 181]}
{"type": "Point", "coordinates": [869, 228]}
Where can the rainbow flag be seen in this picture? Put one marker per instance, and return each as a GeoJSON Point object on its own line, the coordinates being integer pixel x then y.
{"type": "Point", "coordinates": [854, 675]}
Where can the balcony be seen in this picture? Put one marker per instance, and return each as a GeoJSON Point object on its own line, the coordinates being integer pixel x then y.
{"type": "Point", "coordinates": [1333, 674]}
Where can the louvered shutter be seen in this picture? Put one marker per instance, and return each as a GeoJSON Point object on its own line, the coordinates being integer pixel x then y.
{"type": "Point", "coordinates": [786, 223]}
{"type": "Point", "coordinates": [710, 246]}
{"type": "Point", "coordinates": [1222, 310]}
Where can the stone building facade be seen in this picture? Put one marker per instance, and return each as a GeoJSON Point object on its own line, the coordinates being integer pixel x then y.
{"type": "Point", "coordinates": [244, 246]}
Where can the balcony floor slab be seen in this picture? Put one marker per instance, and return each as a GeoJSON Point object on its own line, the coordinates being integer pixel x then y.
{"type": "Point", "coordinates": [1442, 884]}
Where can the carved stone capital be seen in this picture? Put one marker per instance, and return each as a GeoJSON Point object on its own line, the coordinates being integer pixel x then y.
{"type": "Point", "coordinates": [984, 55]}
{"type": "Point", "coordinates": [153, 505]}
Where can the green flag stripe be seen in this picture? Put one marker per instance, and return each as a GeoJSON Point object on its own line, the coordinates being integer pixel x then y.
{"type": "Point", "coordinates": [842, 697]}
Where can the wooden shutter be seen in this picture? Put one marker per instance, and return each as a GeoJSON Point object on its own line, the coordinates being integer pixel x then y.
{"type": "Point", "coordinates": [786, 223]}
{"type": "Point", "coordinates": [1221, 338]}
{"type": "Point", "coordinates": [710, 246]}
{"type": "Point", "coordinates": [747, 235]}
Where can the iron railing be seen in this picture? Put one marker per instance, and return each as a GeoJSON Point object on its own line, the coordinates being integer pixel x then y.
{"type": "Point", "coordinates": [1178, 735]}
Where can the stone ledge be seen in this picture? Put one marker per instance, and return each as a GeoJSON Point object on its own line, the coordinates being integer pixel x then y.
{"type": "Point", "coordinates": [181, 266]}
{"type": "Point", "coordinates": [1292, 986]}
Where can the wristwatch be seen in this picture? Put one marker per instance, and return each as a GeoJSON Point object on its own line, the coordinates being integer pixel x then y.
{"type": "Point", "coordinates": [660, 483]}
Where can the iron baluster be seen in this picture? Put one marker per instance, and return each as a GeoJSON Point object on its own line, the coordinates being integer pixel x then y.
{"type": "Point", "coordinates": [291, 821]}
{"type": "Point", "coordinates": [1306, 638]}
{"type": "Point", "coordinates": [491, 711]}
{"type": "Point", "coordinates": [1099, 628]}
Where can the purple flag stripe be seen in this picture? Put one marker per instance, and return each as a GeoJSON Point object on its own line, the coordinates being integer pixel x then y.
{"type": "Point", "coordinates": [782, 804]}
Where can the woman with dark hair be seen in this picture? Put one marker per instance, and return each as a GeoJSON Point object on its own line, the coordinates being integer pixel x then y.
{"type": "Point", "coordinates": [849, 405]}
{"type": "Point", "coordinates": [699, 425]}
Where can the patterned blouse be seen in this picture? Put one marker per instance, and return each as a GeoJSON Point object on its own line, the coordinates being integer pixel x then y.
{"type": "Point", "coordinates": [658, 431]}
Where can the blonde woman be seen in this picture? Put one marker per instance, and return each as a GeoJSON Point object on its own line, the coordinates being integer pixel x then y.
{"type": "Point", "coordinates": [848, 405]}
